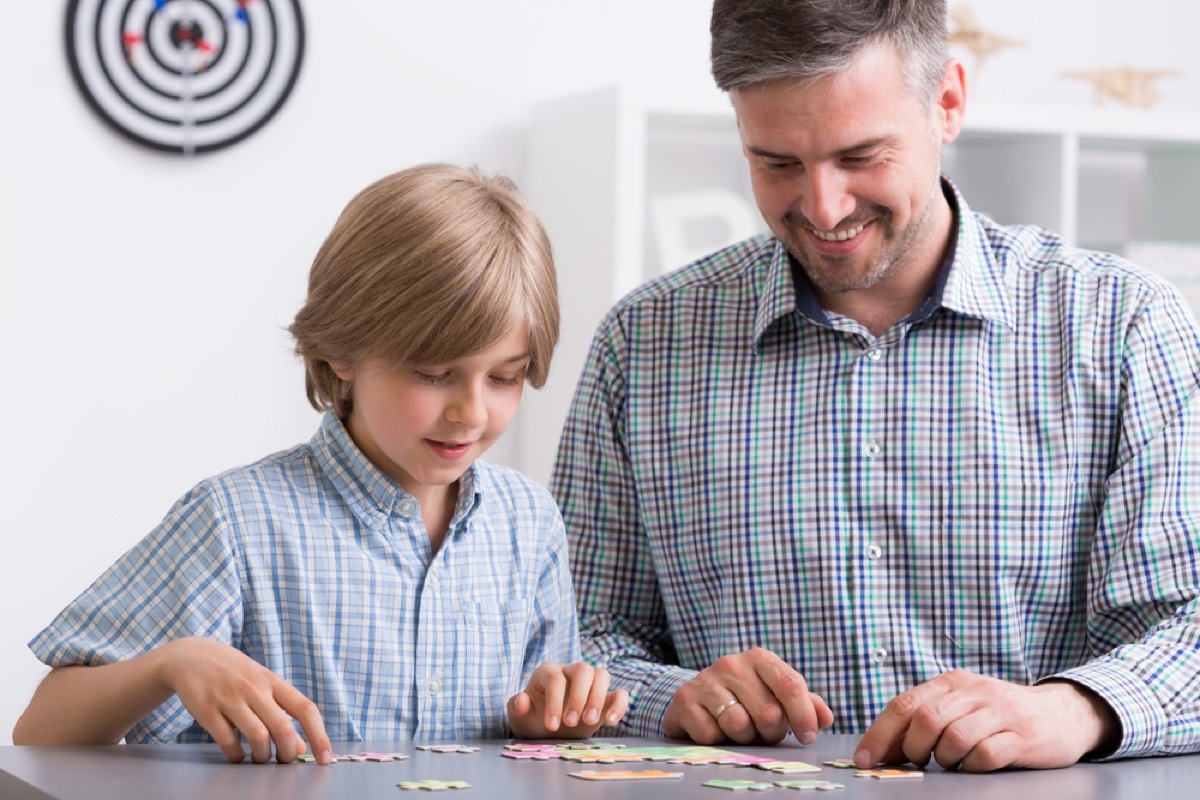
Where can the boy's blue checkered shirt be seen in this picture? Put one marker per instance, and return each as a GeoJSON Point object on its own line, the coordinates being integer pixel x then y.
{"type": "Point", "coordinates": [316, 564]}
{"type": "Point", "coordinates": [1007, 482]}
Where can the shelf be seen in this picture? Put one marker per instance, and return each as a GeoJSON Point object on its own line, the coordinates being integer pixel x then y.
{"type": "Point", "coordinates": [631, 186]}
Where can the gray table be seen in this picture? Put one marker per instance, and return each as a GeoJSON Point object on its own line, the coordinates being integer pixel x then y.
{"type": "Point", "coordinates": [120, 772]}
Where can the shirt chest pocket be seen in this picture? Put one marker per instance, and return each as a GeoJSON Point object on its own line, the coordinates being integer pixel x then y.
{"type": "Point", "coordinates": [493, 638]}
{"type": "Point", "coordinates": [1008, 574]}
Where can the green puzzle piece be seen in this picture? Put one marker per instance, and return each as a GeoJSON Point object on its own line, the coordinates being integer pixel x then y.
{"type": "Point", "coordinates": [738, 786]}
{"type": "Point", "coordinates": [823, 786]}
{"type": "Point", "coordinates": [433, 786]}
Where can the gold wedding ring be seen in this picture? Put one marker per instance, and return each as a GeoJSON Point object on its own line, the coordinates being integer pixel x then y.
{"type": "Point", "coordinates": [728, 704]}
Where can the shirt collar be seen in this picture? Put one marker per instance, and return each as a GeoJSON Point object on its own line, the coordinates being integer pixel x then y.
{"type": "Point", "coordinates": [979, 282]}
{"type": "Point", "coordinates": [971, 280]}
{"type": "Point", "coordinates": [370, 493]}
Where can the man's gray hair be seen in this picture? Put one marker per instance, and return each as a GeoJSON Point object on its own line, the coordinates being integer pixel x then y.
{"type": "Point", "coordinates": [803, 40]}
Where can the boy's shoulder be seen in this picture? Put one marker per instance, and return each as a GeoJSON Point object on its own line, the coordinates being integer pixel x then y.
{"type": "Point", "coordinates": [279, 478]}
{"type": "Point", "coordinates": [511, 488]}
{"type": "Point", "coordinates": [298, 460]}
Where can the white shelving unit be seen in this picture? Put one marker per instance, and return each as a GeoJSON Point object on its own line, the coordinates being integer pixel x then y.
{"type": "Point", "coordinates": [630, 187]}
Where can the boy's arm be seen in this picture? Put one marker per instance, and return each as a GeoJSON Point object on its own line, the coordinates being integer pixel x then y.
{"type": "Point", "coordinates": [222, 688]}
{"type": "Point", "coordinates": [90, 705]}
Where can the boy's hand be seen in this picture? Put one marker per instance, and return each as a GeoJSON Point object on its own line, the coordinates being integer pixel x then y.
{"type": "Point", "coordinates": [570, 702]}
{"type": "Point", "coordinates": [227, 691]}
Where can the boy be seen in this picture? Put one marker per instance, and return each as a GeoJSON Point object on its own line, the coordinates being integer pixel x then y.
{"type": "Point", "coordinates": [378, 582]}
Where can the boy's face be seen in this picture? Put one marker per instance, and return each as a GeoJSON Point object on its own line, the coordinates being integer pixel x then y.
{"type": "Point", "coordinates": [424, 425]}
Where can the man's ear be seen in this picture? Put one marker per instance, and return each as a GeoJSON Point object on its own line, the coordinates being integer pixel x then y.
{"type": "Point", "coordinates": [951, 101]}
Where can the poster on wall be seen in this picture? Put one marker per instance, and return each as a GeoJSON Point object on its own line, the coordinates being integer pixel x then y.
{"type": "Point", "coordinates": [185, 76]}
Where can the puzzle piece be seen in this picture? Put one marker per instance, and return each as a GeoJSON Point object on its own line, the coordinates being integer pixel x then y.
{"type": "Point", "coordinates": [540, 748]}
{"type": "Point", "coordinates": [590, 746]}
{"type": "Point", "coordinates": [309, 758]}
{"type": "Point", "coordinates": [841, 763]}
{"type": "Point", "coordinates": [745, 760]}
{"type": "Point", "coordinates": [891, 774]}
{"type": "Point", "coordinates": [820, 786]}
{"type": "Point", "coordinates": [433, 786]}
{"type": "Point", "coordinates": [529, 755]}
{"type": "Point", "coordinates": [448, 748]}
{"type": "Point", "coordinates": [384, 757]}
{"type": "Point", "coordinates": [739, 786]}
{"type": "Point", "coordinates": [625, 775]}
{"type": "Point", "coordinates": [788, 767]}
{"type": "Point", "coordinates": [601, 757]}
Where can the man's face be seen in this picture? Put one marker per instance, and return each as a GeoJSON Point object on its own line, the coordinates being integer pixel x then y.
{"type": "Point", "coordinates": [845, 171]}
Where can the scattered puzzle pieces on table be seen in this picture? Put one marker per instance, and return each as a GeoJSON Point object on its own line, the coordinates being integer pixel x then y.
{"type": "Point", "coordinates": [433, 786]}
{"type": "Point", "coordinates": [739, 786]}
{"type": "Point", "coordinates": [788, 767]}
{"type": "Point", "coordinates": [606, 753]}
{"type": "Point", "coordinates": [448, 748]}
{"type": "Point", "coordinates": [804, 786]}
{"type": "Point", "coordinates": [625, 775]}
{"type": "Point", "coordinates": [891, 774]}
{"type": "Point", "coordinates": [601, 757]}
{"type": "Point", "coordinates": [309, 758]}
{"type": "Point", "coordinates": [588, 746]}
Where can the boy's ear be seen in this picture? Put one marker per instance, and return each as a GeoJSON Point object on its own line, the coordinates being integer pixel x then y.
{"type": "Point", "coordinates": [343, 369]}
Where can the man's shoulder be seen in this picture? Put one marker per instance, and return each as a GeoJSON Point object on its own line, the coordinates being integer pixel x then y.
{"type": "Point", "coordinates": [744, 262]}
{"type": "Point", "coordinates": [1031, 253]}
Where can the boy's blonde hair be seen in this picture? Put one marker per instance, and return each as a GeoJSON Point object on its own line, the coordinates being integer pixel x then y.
{"type": "Point", "coordinates": [425, 266]}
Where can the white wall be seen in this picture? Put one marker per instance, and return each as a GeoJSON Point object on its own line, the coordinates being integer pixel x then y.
{"type": "Point", "coordinates": [143, 296]}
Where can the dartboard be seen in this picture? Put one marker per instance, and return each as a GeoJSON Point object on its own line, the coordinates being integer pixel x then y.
{"type": "Point", "coordinates": [186, 76]}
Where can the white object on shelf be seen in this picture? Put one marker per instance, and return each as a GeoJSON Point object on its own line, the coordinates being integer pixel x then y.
{"type": "Point", "coordinates": [604, 165]}
{"type": "Point", "coordinates": [1178, 262]}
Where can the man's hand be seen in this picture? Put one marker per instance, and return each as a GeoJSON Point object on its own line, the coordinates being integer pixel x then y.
{"type": "Point", "coordinates": [227, 691]}
{"type": "Point", "coordinates": [984, 724]}
{"type": "Point", "coordinates": [771, 699]}
{"type": "Point", "coordinates": [570, 701]}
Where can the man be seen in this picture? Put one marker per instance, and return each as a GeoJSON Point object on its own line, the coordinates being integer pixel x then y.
{"type": "Point", "coordinates": [894, 468]}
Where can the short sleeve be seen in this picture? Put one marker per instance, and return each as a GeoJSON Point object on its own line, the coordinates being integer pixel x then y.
{"type": "Point", "coordinates": [181, 580]}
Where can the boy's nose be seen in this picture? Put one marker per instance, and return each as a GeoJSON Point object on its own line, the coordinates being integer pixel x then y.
{"type": "Point", "coordinates": [468, 408]}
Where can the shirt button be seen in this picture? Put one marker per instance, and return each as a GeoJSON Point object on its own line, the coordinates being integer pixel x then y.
{"type": "Point", "coordinates": [879, 655]}
{"type": "Point", "coordinates": [874, 354]}
{"type": "Point", "coordinates": [431, 582]}
{"type": "Point", "coordinates": [407, 507]}
{"type": "Point", "coordinates": [874, 551]}
{"type": "Point", "coordinates": [872, 449]}
{"type": "Point", "coordinates": [434, 685]}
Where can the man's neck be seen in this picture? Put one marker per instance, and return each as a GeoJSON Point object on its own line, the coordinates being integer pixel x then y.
{"type": "Point", "coordinates": [897, 296]}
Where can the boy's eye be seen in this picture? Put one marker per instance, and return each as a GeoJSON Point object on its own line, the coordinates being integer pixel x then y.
{"type": "Point", "coordinates": [508, 380]}
{"type": "Point", "coordinates": [430, 377]}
